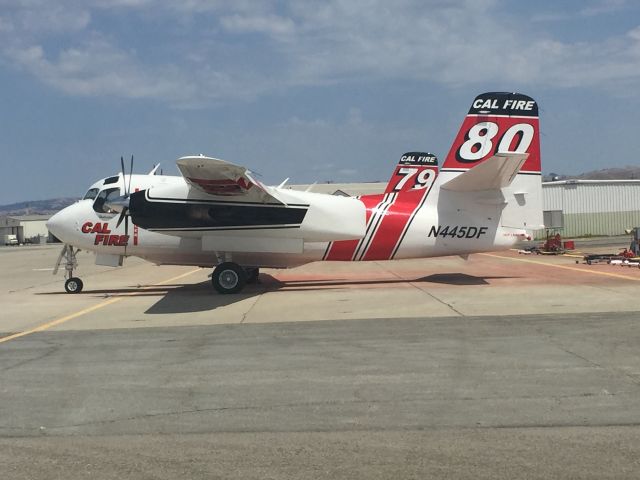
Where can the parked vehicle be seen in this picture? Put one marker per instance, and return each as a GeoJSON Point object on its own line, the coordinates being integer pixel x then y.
{"type": "Point", "coordinates": [10, 239]}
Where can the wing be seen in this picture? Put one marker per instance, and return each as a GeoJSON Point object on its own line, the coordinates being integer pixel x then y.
{"type": "Point", "coordinates": [221, 178]}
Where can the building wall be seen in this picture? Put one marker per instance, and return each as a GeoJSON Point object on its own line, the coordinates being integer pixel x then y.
{"type": "Point", "coordinates": [25, 227]}
{"type": "Point", "coordinates": [594, 207]}
{"type": "Point", "coordinates": [599, 224]}
{"type": "Point", "coordinates": [33, 228]}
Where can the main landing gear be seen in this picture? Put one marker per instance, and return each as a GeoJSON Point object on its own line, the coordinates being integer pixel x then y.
{"type": "Point", "coordinates": [72, 284]}
{"type": "Point", "coordinates": [229, 277]}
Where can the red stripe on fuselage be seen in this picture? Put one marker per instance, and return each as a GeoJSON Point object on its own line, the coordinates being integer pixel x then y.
{"type": "Point", "coordinates": [344, 249]}
{"type": "Point", "coordinates": [393, 225]}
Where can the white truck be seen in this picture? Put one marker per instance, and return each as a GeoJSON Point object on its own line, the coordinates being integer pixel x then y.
{"type": "Point", "coordinates": [10, 239]}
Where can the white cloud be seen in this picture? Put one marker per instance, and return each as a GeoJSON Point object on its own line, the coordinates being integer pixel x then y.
{"type": "Point", "coordinates": [269, 24]}
{"type": "Point", "coordinates": [604, 6]}
{"type": "Point", "coordinates": [44, 18]}
{"type": "Point", "coordinates": [215, 55]}
{"type": "Point", "coordinates": [96, 69]}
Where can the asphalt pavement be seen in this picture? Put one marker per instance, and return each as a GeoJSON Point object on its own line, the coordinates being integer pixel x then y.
{"type": "Point", "coordinates": [537, 396]}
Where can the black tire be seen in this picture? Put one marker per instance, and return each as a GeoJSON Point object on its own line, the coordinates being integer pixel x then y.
{"type": "Point", "coordinates": [229, 277]}
{"type": "Point", "coordinates": [252, 275]}
{"type": "Point", "coordinates": [73, 285]}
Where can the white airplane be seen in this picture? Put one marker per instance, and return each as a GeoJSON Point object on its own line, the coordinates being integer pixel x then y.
{"type": "Point", "coordinates": [486, 197]}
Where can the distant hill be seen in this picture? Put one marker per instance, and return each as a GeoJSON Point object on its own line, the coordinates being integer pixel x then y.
{"type": "Point", "coordinates": [37, 207]}
{"type": "Point", "coordinates": [621, 173]}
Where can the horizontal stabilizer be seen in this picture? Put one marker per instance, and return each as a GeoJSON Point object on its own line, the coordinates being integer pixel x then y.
{"type": "Point", "coordinates": [493, 174]}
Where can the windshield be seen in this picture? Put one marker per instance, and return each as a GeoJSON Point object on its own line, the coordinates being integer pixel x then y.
{"type": "Point", "coordinates": [91, 194]}
{"type": "Point", "coordinates": [103, 198]}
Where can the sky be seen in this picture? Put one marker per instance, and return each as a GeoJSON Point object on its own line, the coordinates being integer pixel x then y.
{"type": "Point", "coordinates": [316, 91]}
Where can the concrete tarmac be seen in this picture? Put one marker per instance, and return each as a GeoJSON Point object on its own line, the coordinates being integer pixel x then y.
{"type": "Point", "coordinates": [503, 366]}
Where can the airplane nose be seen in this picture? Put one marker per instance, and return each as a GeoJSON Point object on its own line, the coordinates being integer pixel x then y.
{"type": "Point", "coordinates": [53, 224]}
{"type": "Point", "coordinates": [61, 225]}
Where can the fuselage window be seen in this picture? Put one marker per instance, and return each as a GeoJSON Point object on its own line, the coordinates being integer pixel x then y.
{"type": "Point", "coordinates": [103, 199]}
{"type": "Point", "coordinates": [91, 194]}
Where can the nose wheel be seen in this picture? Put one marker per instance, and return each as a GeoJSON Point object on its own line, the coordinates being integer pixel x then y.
{"type": "Point", "coordinates": [68, 254]}
{"type": "Point", "coordinates": [73, 285]}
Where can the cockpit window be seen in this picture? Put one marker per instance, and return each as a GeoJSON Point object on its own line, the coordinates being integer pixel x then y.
{"type": "Point", "coordinates": [109, 180]}
{"type": "Point", "coordinates": [103, 198]}
{"type": "Point", "coordinates": [91, 194]}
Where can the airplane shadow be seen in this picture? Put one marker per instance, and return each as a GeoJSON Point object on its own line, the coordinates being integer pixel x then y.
{"type": "Point", "coordinates": [200, 297]}
{"type": "Point", "coordinates": [442, 278]}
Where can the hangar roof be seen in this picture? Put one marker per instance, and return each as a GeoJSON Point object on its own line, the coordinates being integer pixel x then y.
{"type": "Point", "coordinates": [29, 218]}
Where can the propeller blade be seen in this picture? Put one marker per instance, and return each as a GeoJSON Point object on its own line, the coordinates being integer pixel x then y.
{"type": "Point", "coordinates": [130, 175]}
{"type": "Point", "coordinates": [122, 216]}
{"type": "Point", "coordinates": [124, 182]}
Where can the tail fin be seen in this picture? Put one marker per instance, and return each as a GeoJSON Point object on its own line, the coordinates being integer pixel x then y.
{"type": "Point", "coordinates": [498, 152]}
{"type": "Point", "coordinates": [497, 122]}
{"type": "Point", "coordinates": [415, 171]}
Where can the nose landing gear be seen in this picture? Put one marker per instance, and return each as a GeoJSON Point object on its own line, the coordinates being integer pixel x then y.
{"type": "Point", "coordinates": [72, 284]}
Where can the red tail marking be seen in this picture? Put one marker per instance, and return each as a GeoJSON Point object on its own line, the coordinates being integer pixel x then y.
{"type": "Point", "coordinates": [415, 170]}
{"type": "Point", "coordinates": [455, 159]}
{"type": "Point", "coordinates": [393, 225]}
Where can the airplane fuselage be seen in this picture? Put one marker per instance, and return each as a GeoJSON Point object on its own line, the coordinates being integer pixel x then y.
{"type": "Point", "coordinates": [425, 231]}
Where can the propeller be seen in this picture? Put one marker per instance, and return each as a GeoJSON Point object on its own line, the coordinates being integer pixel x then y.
{"type": "Point", "coordinates": [123, 201]}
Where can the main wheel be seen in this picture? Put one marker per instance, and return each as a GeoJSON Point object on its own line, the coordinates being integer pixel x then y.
{"type": "Point", "coordinates": [229, 277]}
{"type": "Point", "coordinates": [73, 285]}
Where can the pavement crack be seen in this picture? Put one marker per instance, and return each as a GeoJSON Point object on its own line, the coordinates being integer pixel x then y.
{"type": "Point", "coordinates": [46, 354]}
{"type": "Point", "coordinates": [245, 314]}
{"type": "Point", "coordinates": [359, 400]}
{"type": "Point", "coordinates": [418, 287]}
{"type": "Point", "coordinates": [621, 373]}
{"type": "Point", "coordinates": [438, 299]}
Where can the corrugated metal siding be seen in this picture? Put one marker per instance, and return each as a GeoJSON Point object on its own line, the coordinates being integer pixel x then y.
{"type": "Point", "coordinates": [592, 197]}
{"type": "Point", "coordinates": [595, 208]}
{"type": "Point", "coordinates": [611, 223]}
{"type": "Point", "coordinates": [552, 197]}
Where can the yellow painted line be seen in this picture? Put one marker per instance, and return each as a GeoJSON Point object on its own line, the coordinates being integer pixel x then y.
{"type": "Point", "coordinates": [111, 301]}
{"type": "Point", "coordinates": [565, 267]}
{"type": "Point", "coordinates": [53, 323]}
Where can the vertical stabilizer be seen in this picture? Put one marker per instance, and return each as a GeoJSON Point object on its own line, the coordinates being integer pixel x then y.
{"type": "Point", "coordinates": [498, 149]}
{"type": "Point", "coordinates": [497, 122]}
{"type": "Point", "coordinates": [415, 171]}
